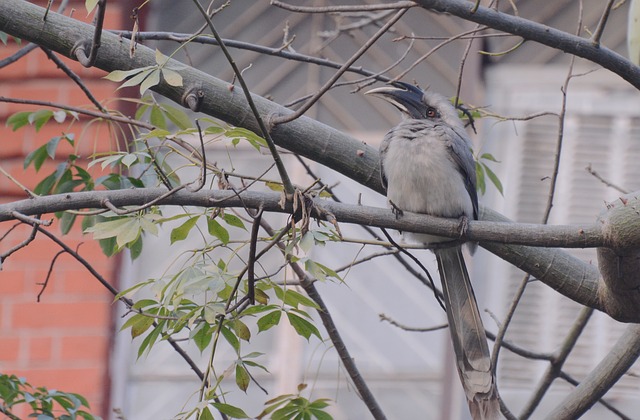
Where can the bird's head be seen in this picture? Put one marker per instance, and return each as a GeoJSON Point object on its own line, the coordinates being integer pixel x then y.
{"type": "Point", "coordinates": [417, 104]}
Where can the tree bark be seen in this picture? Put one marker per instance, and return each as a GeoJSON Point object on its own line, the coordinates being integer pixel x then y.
{"type": "Point", "coordinates": [575, 279]}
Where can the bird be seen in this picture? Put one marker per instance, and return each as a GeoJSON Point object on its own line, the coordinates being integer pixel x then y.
{"type": "Point", "coordinates": [427, 166]}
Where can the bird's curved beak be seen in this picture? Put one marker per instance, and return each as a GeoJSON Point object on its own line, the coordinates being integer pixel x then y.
{"type": "Point", "coordinates": [407, 98]}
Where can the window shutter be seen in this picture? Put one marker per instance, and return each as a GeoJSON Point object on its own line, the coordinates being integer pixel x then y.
{"type": "Point", "coordinates": [601, 132]}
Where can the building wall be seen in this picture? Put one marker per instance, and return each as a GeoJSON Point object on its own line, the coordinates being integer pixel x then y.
{"type": "Point", "coordinates": [63, 340]}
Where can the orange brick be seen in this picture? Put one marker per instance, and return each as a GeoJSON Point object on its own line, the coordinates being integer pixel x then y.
{"type": "Point", "coordinates": [81, 283]}
{"type": "Point", "coordinates": [85, 381]}
{"type": "Point", "coordinates": [32, 89]}
{"type": "Point", "coordinates": [12, 282]}
{"type": "Point", "coordinates": [48, 314]}
{"type": "Point", "coordinates": [9, 349]}
{"type": "Point", "coordinates": [17, 69]}
{"type": "Point", "coordinates": [101, 89]}
{"type": "Point", "coordinates": [12, 144]}
{"type": "Point", "coordinates": [92, 348]}
{"type": "Point", "coordinates": [40, 348]}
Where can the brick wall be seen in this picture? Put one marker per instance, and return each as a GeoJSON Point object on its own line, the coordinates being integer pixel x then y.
{"type": "Point", "coordinates": [63, 341]}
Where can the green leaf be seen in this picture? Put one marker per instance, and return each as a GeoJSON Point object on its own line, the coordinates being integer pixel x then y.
{"type": "Point", "coordinates": [66, 222]}
{"type": "Point", "coordinates": [320, 271]}
{"type": "Point", "coordinates": [172, 77]}
{"type": "Point", "coordinates": [161, 59]}
{"type": "Point", "coordinates": [202, 337]}
{"type": "Point", "coordinates": [125, 230]}
{"type": "Point", "coordinates": [120, 75]}
{"type": "Point", "coordinates": [242, 377]}
{"type": "Point", "coordinates": [136, 80]}
{"type": "Point", "coordinates": [480, 180]}
{"type": "Point", "coordinates": [274, 186]}
{"type": "Point", "coordinates": [151, 338]}
{"type": "Point", "coordinates": [156, 117]}
{"type": "Point", "coordinates": [241, 330]}
{"type": "Point", "coordinates": [489, 156]}
{"type": "Point", "coordinates": [294, 298]}
{"type": "Point", "coordinates": [211, 312]}
{"type": "Point", "coordinates": [181, 232]}
{"type": "Point", "coordinates": [233, 220]}
{"type": "Point", "coordinates": [138, 323]}
{"type": "Point", "coordinates": [177, 116]}
{"type": "Point", "coordinates": [231, 338]}
{"type": "Point", "coordinates": [205, 414]}
{"type": "Point", "coordinates": [143, 303]}
{"type": "Point", "coordinates": [37, 157]}
{"type": "Point", "coordinates": [248, 135]}
{"type": "Point", "coordinates": [40, 118]}
{"type": "Point", "coordinates": [230, 410]}
{"type": "Point", "coordinates": [269, 320]}
{"type": "Point", "coordinates": [135, 248]}
{"type": "Point", "coordinates": [90, 5]}
{"type": "Point", "coordinates": [18, 120]}
{"type": "Point", "coordinates": [217, 230]}
{"type": "Point", "coordinates": [319, 414]}
{"type": "Point", "coordinates": [151, 81]}
{"type": "Point", "coordinates": [494, 178]}
{"type": "Point", "coordinates": [261, 297]}
{"type": "Point", "coordinates": [302, 326]}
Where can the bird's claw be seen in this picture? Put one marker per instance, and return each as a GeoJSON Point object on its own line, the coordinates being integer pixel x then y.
{"type": "Point", "coordinates": [397, 211]}
{"type": "Point", "coordinates": [463, 226]}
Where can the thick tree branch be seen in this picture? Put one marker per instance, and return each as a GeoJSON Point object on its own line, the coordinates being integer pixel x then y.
{"type": "Point", "coordinates": [615, 364]}
{"type": "Point", "coordinates": [341, 152]}
{"type": "Point", "coordinates": [543, 34]}
{"type": "Point", "coordinates": [498, 230]}
{"type": "Point", "coordinates": [573, 278]}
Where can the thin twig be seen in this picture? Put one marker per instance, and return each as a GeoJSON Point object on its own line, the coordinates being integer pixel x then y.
{"type": "Point", "coordinates": [71, 74]}
{"type": "Point", "coordinates": [417, 261]}
{"type": "Point", "coordinates": [282, 171]}
{"type": "Point", "coordinates": [395, 323]}
{"type": "Point", "coordinates": [49, 272]}
{"type": "Point", "coordinates": [233, 43]}
{"type": "Point", "coordinates": [80, 49]}
{"type": "Point", "coordinates": [96, 114]}
{"type": "Point", "coordinates": [251, 277]}
{"type": "Point", "coordinates": [604, 181]}
{"type": "Point", "coordinates": [203, 166]}
{"type": "Point", "coordinates": [26, 241]}
{"type": "Point", "coordinates": [558, 361]}
{"type": "Point", "coordinates": [597, 34]}
{"type": "Point", "coordinates": [429, 53]}
{"type": "Point", "coordinates": [298, 113]}
{"type": "Point", "coordinates": [339, 9]}
{"type": "Point", "coordinates": [307, 284]}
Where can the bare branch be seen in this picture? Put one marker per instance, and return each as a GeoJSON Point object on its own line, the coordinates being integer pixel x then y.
{"type": "Point", "coordinates": [282, 171]}
{"type": "Point", "coordinates": [292, 116]}
{"type": "Point", "coordinates": [337, 9]}
{"type": "Point", "coordinates": [540, 33]}
{"type": "Point", "coordinates": [80, 49]}
{"type": "Point", "coordinates": [307, 284]}
{"type": "Point", "coordinates": [597, 34]}
{"type": "Point", "coordinates": [616, 363]}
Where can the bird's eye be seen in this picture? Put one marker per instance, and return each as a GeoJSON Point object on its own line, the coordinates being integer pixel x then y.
{"type": "Point", "coordinates": [431, 112]}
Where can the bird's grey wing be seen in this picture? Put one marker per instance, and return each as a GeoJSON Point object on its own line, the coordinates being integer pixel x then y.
{"type": "Point", "coordinates": [384, 147]}
{"type": "Point", "coordinates": [461, 155]}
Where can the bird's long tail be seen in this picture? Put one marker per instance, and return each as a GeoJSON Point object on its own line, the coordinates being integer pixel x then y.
{"type": "Point", "coordinates": [468, 335]}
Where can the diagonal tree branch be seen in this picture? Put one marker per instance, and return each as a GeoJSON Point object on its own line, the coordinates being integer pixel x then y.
{"type": "Point", "coordinates": [543, 34]}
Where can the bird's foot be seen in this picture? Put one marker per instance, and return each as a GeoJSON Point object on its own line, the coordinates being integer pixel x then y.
{"type": "Point", "coordinates": [397, 211]}
{"type": "Point", "coordinates": [463, 226]}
